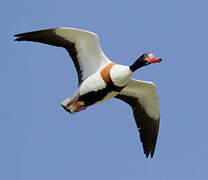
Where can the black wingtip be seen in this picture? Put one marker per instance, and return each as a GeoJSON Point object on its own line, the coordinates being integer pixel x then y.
{"type": "Point", "coordinates": [21, 37]}
{"type": "Point", "coordinates": [147, 154]}
{"type": "Point", "coordinates": [18, 39]}
{"type": "Point", "coordinates": [17, 36]}
{"type": "Point", "coordinates": [151, 155]}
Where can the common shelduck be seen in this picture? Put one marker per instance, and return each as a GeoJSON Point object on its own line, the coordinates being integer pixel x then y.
{"type": "Point", "coordinates": [101, 79]}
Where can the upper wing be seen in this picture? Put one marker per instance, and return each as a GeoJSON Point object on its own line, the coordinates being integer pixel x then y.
{"type": "Point", "coordinates": [142, 97]}
{"type": "Point", "coordinates": [83, 47]}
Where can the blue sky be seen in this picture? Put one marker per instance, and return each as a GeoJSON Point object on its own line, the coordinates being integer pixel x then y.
{"type": "Point", "coordinates": [40, 140]}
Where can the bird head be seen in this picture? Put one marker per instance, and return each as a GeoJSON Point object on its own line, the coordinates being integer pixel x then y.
{"type": "Point", "coordinates": [143, 60]}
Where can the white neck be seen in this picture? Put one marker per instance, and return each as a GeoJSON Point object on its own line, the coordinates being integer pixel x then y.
{"type": "Point", "coordinates": [120, 75]}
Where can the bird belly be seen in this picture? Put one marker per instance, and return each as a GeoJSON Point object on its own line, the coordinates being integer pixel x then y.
{"type": "Point", "coordinates": [95, 97]}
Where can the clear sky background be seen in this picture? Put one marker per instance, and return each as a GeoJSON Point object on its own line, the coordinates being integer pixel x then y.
{"type": "Point", "coordinates": [40, 140]}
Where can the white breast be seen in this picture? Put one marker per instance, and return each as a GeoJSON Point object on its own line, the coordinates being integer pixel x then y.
{"type": "Point", "coordinates": [120, 75]}
{"type": "Point", "coordinates": [92, 83]}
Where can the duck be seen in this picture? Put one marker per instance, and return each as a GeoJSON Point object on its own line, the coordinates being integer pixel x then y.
{"type": "Point", "coordinates": [100, 79]}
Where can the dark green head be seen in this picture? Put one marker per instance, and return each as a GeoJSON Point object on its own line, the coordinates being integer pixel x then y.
{"type": "Point", "coordinates": [143, 60]}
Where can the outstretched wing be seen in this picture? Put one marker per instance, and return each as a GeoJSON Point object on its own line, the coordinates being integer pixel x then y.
{"type": "Point", "coordinates": [142, 97]}
{"type": "Point", "coordinates": [83, 47]}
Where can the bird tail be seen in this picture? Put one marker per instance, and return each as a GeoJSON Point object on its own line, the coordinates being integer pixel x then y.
{"type": "Point", "coordinates": [72, 104]}
{"type": "Point", "coordinates": [65, 105]}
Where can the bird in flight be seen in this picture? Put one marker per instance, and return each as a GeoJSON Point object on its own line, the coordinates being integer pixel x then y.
{"type": "Point", "coordinates": [100, 79]}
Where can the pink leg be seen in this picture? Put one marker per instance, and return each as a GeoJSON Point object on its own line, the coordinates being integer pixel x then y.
{"type": "Point", "coordinates": [72, 101]}
{"type": "Point", "coordinates": [80, 108]}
